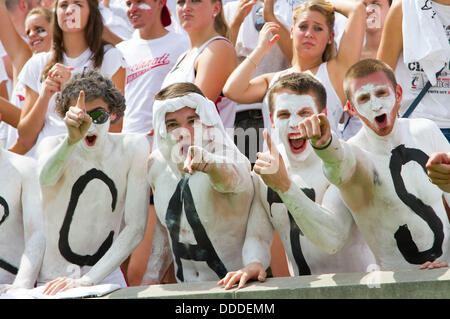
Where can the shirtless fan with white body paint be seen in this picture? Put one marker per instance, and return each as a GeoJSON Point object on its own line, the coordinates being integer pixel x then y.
{"type": "Point", "coordinates": [381, 173]}
{"type": "Point", "coordinates": [94, 190]}
{"type": "Point", "coordinates": [22, 240]}
{"type": "Point", "coordinates": [307, 230]}
{"type": "Point", "coordinates": [202, 189]}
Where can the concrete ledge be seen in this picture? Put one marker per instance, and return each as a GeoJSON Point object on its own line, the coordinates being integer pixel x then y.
{"type": "Point", "coordinates": [417, 284]}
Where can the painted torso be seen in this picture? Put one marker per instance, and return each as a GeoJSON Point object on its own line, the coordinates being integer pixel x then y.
{"type": "Point", "coordinates": [11, 219]}
{"type": "Point", "coordinates": [309, 177]}
{"type": "Point", "coordinates": [399, 190]}
{"type": "Point", "coordinates": [84, 209]}
{"type": "Point", "coordinates": [208, 225]}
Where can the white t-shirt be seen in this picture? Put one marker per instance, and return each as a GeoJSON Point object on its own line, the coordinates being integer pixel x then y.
{"type": "Point", "coordinates": [435, 104]}
{"type": "Point", "coordinates": [148, 62]}
{"type": "Point", "coordinates": [31, 77]}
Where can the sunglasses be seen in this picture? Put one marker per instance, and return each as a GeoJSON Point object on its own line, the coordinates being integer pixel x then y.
{"type": "Point", "coordinates": [99, 116]}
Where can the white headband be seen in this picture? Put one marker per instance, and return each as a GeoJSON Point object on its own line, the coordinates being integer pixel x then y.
{"type": "Point", "coordinates": [205, 109]}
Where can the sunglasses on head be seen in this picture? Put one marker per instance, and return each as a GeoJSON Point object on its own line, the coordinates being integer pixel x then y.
{"type": "Point", "coordinates": [99, 116]}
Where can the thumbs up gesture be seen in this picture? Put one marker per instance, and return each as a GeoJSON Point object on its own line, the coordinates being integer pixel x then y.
{"type": "Point", "coordinates": [270, 166]}
{"type": "Point", "coordinates": [77, 120]}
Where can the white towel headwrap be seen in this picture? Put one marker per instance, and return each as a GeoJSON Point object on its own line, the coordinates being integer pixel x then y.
{"type": "Point", "coordinates": [205, 109]}
{"type": "Point", "coordinates": [424, 38]}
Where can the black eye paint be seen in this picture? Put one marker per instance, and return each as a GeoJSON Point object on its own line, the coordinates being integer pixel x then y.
{"type": "Point", "coordinates": [295, 231]}
{"type": "Point", "coordinates": [203, 250]}
{"type": "Point", "coordinates": [77, 190]}
{"type": "Point", "coordinates": [400, 156]}
{"type": "Point", "coordinates": [3, 264]}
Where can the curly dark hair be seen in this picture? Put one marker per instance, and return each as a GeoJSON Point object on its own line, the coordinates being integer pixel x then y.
{"type": "Point", "coordinates": [95, 86]}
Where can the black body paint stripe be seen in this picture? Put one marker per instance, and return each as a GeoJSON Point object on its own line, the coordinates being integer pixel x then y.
{"type": "Point", "coordinates": [6, 209]}
{"type": "Point", "coordinates": [203, 250]}
{"type": "Point", "coordinates": [295, 231]}
{"type": "Point", "coordinates": [8, 267]}
{"type": "Point", "coordinates": [3, 264]}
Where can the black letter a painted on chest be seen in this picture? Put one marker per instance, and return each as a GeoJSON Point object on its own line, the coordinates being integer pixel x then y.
{"type": "Point", "coordinates": [203, 250]}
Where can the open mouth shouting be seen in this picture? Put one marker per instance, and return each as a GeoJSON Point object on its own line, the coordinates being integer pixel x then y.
{"type": "Point", "coordinates": [297, 144]}
{"type": "Point", "coordinates": [90, 139]}
{"type": "Point", "coordinates": [381, 120]}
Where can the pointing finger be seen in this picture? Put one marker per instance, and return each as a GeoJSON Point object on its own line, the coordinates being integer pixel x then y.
{"type": "Point", "coordinates": [80, 102]}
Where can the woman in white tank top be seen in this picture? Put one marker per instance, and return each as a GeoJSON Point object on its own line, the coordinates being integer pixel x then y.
{"type": "Point", "coordinates": [211, 58]}
{"type": "Point", "coordinates": [314, 51]}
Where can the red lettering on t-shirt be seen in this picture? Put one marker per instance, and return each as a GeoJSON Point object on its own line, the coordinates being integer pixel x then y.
{"type": "Point", "coordinates": [143, 67]}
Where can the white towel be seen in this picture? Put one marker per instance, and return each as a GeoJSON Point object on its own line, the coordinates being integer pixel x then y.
{"type": "Point", "coordinates": [424, 38]}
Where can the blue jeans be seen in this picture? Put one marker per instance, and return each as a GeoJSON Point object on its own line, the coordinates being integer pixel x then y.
{"type": "Point", "coordinates": [446, 132]}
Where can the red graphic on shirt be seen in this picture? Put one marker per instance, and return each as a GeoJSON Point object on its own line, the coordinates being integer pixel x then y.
{"type": "Point", "coordinates": [143, 67]}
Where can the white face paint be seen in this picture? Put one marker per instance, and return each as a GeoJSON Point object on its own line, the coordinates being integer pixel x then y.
{"type": "Point", "coordinates": [43, 34]}
{"type": "Point", "coordinates": [144, 6]}
{"type": "Point", "coordinates": [289, 111]}
{"type": "Point", "coordinates": [373, 102]}
{"type": "Point", "coordinates": [96, 135]}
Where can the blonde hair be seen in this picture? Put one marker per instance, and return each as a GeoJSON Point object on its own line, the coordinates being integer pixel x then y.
{"type": "Point", "coordinates": [220, 24]}
{"type": "Point", "coordinates": [46, 13]}
{"type": "Point", "coordinates": [327, 10]}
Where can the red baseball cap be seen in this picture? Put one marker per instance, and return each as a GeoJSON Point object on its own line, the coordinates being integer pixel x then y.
{"type": "Point", "coordinates": [165, 16]}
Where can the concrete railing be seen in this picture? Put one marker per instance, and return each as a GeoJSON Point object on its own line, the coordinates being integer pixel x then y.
{"type": "Point", "coordinates": [422, 284]}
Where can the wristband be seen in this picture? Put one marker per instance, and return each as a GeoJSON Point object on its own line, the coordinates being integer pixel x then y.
{"type": "Point", "coordinates": [322, 147]}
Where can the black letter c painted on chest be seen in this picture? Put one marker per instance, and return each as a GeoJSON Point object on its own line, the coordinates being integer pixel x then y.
{"type": "Point", "coordinates": [77, 190]}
